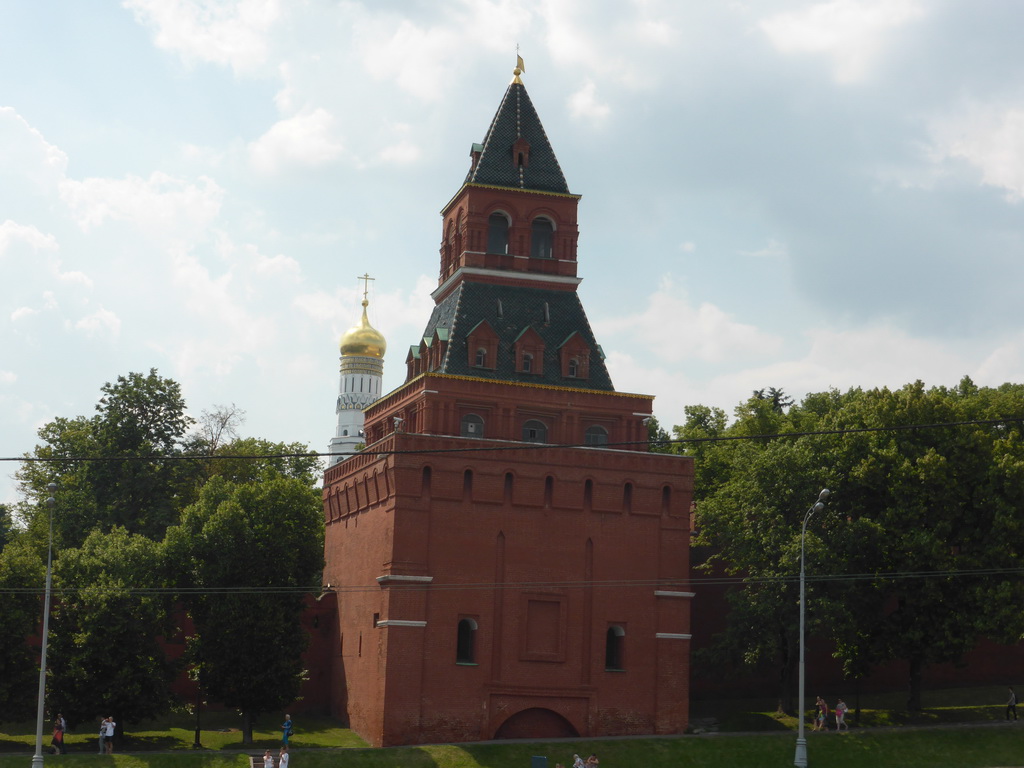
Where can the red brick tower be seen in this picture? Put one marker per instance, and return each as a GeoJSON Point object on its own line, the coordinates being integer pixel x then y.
{"type": "Point", "coordinates": [510, 560]}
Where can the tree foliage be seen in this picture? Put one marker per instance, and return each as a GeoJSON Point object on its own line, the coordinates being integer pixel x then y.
{"type": "Point", "coordinates": [931, 514]}
{"type": "Point", "coordinates": [115, 468]}
{"type": "Point", "coordinates": [21, 584]}
{"type": "Point", "coordinates": [249, 552]}
{"type": "Point", "coordinates": [110, 610]}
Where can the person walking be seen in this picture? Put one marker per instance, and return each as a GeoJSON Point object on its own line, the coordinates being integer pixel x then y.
{"type": "Point", "coordinates": [1011, 705]}
{"type": "Point", "coordinates": [58, 738]}
{"type": "Point", "coordinates": [103, 735]}
{"type": "Point", "coordinates": [841, 716]}
{"type": "Point", "coordinates": [110, 726]}
{"type": "Point", "coordinates": [63, 725]}
{"type": "Point", "coordinates": [286, 729]}
{"type": "Point", "coordinates": [821, 719]}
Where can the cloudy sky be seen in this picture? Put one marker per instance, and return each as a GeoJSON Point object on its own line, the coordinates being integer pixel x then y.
{"type": "Point", "coordinates": [775, 192]}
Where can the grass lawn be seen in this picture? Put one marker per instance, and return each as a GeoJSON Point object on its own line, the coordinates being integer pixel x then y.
{"type": "Point", "coordinates": [964, 733]}
{"type": "Point", "coordinates": [952, 747]}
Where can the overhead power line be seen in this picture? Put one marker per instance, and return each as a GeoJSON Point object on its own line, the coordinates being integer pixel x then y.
{"type": "Point", "coordinates": [517, 446]}
{"type": "Point", "coordinates": [683, 584]}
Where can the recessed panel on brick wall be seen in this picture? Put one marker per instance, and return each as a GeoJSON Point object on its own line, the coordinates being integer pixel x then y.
{"type": "Point", "coordinates": [543, 630]}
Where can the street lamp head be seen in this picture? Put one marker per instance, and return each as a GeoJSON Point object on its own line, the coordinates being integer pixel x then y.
{"type": "Point", "coordinates": [825, 493]}
{"type": "Point", "coordinates": [817, 507]}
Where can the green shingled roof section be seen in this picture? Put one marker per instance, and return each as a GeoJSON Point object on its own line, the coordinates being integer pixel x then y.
{"type": "Point", "coordinates": [472, 303]}
{"type": "Point", "coordinates": [515, 118]}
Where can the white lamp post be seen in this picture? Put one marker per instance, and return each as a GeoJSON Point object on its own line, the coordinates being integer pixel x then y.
{"type": "Point", "coordinates": [800, 760]}
{"type": "Point", "coordinates": [37, 758]}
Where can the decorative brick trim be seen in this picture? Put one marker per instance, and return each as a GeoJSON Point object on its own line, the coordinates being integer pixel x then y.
{"type": "Point", "coordinates": [400, 623]}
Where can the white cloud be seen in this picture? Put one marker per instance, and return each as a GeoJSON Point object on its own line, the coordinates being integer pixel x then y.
{"type": "Point", "coordinates": [8, 377]}
{"type": "Point", "coordinates": [11, 231]}
{"type": "Point", "coordinates": [673, 330]}
{"type": "Point", "coordinates": [773, 249]}
{"type": "Point", "coordinates": [231, 34]}
{"type": "Point", "coordinates": [688, 247]}
{"type": "Point", "coordinates": [102, 322]}
{"type": "Point", "coordinates": [306, 139]}
{"type": "Point", "coordinates": [25, 154]}
{"type": "Point", "coordinates": [160, 205]}
{"type": "Point", "coordinates": [850, 31]}
{"type": "Point", "coordinates": [23, 312]}
{"type": "Point", "coordinates": [990, 138]}
{"type": "Point", "coordinates": [585, 105]}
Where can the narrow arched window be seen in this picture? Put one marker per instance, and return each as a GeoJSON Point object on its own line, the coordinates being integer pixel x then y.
{"type": "Point", "coordinates": [497, 233]}
{"type": "Point", "coordinates": [472, 426]}
{"type": "Point", "coordinates": [527, 362]}
{"type": "Point", "coordinates": [596, 435]}
{"type": "Point", "coordinates": [534, 431]}
{"type": "Point", "coordinates": [613, 648]}
{"type": "Point", "coordinates": [465, 642]}
{"type": "Point", "coordinates": [574, 367]}
{"type": "Point", "coordinates": [549, 491]}
{"type": "Point", "coordinates": [467, 485]}
{"type": "Point", "coordinates": [508, 487]}
{"type": "Point", "coordinates": [542, 238]}
{"type": "Point", "coordinates": [627, 497]}
{"type": "Point", "coordinates": [425, 482]}
{"type": "Point", "coordinates": [588, 495]}
{"type": "Point", "coordinates": [481, 358]}
{"type": "Point", "coordinates": [666, 499]}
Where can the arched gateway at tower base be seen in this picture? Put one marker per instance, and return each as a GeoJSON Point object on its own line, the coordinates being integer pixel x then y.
{"type": "Point", "coordinates": [536, 723]}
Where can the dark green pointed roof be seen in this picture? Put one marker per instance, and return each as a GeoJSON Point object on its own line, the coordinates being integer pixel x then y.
{"type": "Point", "coordinates": [517, 119]}
{"type": "Point", "coordinates": [472, 303]}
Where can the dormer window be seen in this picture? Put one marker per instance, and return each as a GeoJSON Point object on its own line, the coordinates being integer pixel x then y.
{"type": "Point", "coordinates": [574, 368]}
{"type": "Point", "coordinates": [527, 362]}
{"type": "Point", "coordinates": [481, 358]}
{"type": "Point", "coordinates": [542, 238]}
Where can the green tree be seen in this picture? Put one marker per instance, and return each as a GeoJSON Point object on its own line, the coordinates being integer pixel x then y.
{"type": "Point", "coordinates": [116, 468]}
{"type": "Point", "coordinates": [112, 607]}
{"type": "Point", "coordinates": [21, 588]}
{"type": "Point", "coordinates": [250, 553]}
{"type": "Point", "coordinates": [936, 509]}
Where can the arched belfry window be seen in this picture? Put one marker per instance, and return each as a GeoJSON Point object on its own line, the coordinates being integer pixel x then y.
{"type": "Point", "coordinates": [613, 648]}
{"type": "Point", "coordinates": [534, 431]}
{"type": "Point", "coordinates": [596, 435]}
{"type": "Point", "coordinates": [542, 238]}
{"type": "Point", "coordinates": [497, 233]}
{"type": "Point", "coordinates": [472, 426]}
{"type": "Point", "coordinates": [465, 642]}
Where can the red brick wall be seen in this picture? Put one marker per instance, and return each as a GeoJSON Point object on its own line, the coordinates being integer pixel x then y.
{"type": "Point", "coordinates": [488, 557]}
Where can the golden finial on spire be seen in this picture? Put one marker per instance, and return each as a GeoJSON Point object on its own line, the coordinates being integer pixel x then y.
{"type": "Point", "coordinates": [520, 67]}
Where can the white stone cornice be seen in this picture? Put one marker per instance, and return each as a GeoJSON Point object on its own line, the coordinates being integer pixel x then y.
{"type": "Point", "coordinates": [672, 636]}
{"type": "Point", "coordinates": [670, 593]}
{"type": "Point", "coordinates": [397, 578]}
{"type": "Point", "coordinates": [400, 623]}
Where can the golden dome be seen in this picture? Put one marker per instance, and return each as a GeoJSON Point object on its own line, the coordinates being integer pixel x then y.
{"type": "Point", "coordinates": [363, 339]}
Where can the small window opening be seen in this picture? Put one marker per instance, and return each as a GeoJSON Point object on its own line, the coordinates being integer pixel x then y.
{"type": "Point", "coordinates": [596, 435]}
{"type": "Point", "coordinates": [613, 643]}
{"type": "Point", "coordinates": [465, 642]}
{"type": "Point", "coordinates": [481, 358]}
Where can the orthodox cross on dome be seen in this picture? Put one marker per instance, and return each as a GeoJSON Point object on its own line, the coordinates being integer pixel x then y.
{"type": "Point", "coordinates": [366, 286]}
